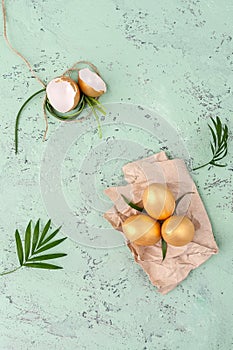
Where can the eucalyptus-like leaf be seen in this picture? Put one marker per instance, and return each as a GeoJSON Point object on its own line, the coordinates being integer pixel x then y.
{"type": "Point", "coordinates": [41, 265]}
{"type": "Point", "coordinates": [219, 144]}
{"type": "Point", "coordinates": [131, 204]}
{"type": "Point", "coordinates": [19, 247]}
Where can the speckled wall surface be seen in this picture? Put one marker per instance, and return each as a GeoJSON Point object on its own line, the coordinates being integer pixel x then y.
{"type": "Point", "coordinates": [174, 57]}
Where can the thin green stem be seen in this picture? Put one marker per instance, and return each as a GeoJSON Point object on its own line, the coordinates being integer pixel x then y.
{"type": "Point", "coordinates": [201, 166]}
{"type": "Point", "coordinates": [90, 104]}
{"type": "Point", "coordinates": [18, 117]}
{"type": "Point", "coordinates": [98, 123]}
{"type": "Point", "coordinates": [65, 117]}
{"type": "Point", "coordinates": [8, 272]}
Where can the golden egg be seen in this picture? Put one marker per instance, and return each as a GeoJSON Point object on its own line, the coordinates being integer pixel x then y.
{"type": "Point", "coordinates": [141, 230]}
{"type": "Point", "coordinates": [90, 83]}
{"type": "Point", "coordinates": [158, 201]}
{"type": "Point", "coordinates": [178, 230]}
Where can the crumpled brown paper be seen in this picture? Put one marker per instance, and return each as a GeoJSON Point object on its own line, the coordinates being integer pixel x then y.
{"type": "Point", "coordinates": [179, 261]}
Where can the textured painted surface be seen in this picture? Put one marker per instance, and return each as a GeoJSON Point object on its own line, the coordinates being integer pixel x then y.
{"type": "Point", "coordinates": [174, 57]}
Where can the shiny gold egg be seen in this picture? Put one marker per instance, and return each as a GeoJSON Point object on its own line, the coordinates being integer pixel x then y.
{"type": "Point", "coordinates": [158, 201]}
{"type": "Point", "coordinates": [178, 230]}
{"type": "Point", "coordinates": [141, 230]}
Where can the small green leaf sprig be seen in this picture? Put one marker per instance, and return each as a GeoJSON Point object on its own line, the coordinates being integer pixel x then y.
{"type": "Point", "coordinates": [37, 241]}
{"type": "Point", "coordinates": [218, 145]}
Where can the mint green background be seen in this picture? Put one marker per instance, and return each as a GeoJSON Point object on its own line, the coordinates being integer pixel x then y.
{"type": "Point", "coordinates": [174, 57]}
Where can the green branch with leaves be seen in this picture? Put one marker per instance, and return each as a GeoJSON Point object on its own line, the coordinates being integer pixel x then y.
{"type": "Point", "coordinates": [37, 241]}
{"type": "Point", "coordinates": [218, 145]}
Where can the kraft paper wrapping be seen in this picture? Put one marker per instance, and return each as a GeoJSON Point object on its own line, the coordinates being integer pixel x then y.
{"type": "Point", "coordinates": [168, 273]}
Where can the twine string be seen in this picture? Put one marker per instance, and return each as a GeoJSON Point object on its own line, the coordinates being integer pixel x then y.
{"type": "Point", "coordinates": [95, 69]}
{"type": "Point", "coordinates": [13, 49]}
{"type": "Point", "coordinates": [67, 72]}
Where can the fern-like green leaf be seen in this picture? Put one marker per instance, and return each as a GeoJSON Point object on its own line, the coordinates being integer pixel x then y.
{"type": "Point", "coordinates": [213, 135]}
{"type": "Point", "coordinates": [219, 144]}
{"type": "Point", "coordinates": [218, 129]}
{"type": "Point", "coordinates": [218, 165]}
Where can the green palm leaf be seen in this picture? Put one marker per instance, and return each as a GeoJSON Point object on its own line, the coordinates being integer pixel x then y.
{"type": "Point", "coordinates": [41, 265]}
{"type": "Point", "coordinates": [34, 244]}
{"type": "Point", "coordinates": [35, 236]}
{"type": "Point", "coordinates": [19, 247]}
{"type": "Point", "coordinates": [44, 232]}
{"type": "Point", "coordinates": [27, 241]}
{"type": "Point", "coordinates": [50, 245]}
{"type": "Point", "coordinates": [47, 257]}
{"type": "Point", "coordinates": [51, 236]}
